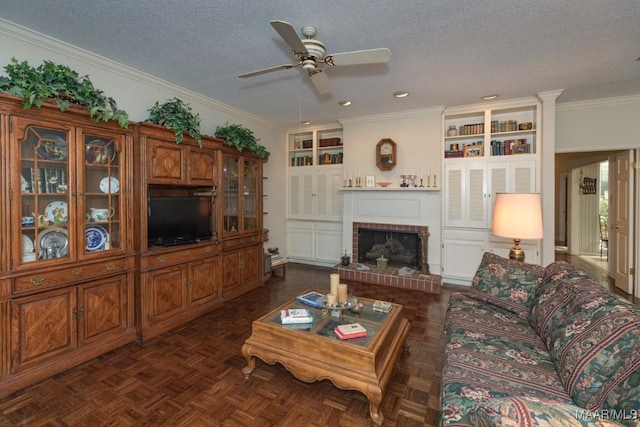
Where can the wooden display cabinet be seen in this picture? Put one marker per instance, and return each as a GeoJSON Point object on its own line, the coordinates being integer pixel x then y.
{"type": "Point", "coordinates": [68, 263]}
{"type": "Point", "coordinates": [242, 233]}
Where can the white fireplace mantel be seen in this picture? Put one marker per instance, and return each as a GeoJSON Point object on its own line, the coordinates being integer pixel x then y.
{"type": "Point", "coordinates": [395, 205]}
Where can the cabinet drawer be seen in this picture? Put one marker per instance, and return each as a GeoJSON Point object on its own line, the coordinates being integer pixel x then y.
{"type": "Point", "coordinates": [51, 279]}
{"type": "Point", "coordinates": [241, 242]}
{"type": "Point", "coordinates": [174, 257]}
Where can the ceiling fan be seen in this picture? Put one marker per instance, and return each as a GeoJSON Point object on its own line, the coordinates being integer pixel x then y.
{"type": "Point", "coordinates": [311, 52]}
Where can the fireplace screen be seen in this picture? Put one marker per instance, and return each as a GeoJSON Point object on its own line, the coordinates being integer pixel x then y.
{"type": "Point", "coordinates": [402, 249]}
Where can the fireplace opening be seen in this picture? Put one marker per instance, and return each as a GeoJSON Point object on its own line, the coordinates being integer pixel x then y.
{"type": "Point", "coordinates": [400, 248]}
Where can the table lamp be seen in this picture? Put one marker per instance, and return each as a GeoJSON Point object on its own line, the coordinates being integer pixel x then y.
{"type": "Point", "coordinates": [517, 216]}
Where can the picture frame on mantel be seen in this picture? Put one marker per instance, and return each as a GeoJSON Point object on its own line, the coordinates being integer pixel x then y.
{"type": "Point", "coordinates": [370, 181]}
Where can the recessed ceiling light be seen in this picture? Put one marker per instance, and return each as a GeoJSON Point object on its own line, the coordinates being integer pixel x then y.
{"type": "Point", "coordinates": [345, 103]}
{"type": "Point", "coordinates": [490, 97]}
{"type": "Point", "coordinates": [305, 122]}
{"type": "Point", "coordinates": [400, 94]}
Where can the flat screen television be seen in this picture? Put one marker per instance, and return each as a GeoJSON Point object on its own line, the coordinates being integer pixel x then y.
{"type": "Point", "coordinates": [178, 220]}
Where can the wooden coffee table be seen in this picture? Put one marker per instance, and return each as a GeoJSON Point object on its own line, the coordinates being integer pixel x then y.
{"type": "Point", "coordinates": [315, 353]}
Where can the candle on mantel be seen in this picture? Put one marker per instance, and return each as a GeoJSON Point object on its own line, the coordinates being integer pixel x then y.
{"type": "Point", "coordinates": [334, 280]}
{"type": "Point", "coordinates": [342, 293]}
{"type": "Point", "coordinates": [331, 300]}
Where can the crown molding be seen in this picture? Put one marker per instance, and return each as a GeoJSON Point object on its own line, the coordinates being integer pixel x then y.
{"type": "Point", "coordinates": [597, 103]}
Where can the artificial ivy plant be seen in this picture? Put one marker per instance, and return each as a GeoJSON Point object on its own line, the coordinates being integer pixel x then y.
{"type": "Point", "coordinates": [175, 114]}
{"type": "Point", "coordinates": [59, 84]}
{"type": "Point", "coordinates": [242, 138]}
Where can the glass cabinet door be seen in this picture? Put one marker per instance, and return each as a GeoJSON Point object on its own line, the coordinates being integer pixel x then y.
{"type": "Point", "coordinates": [230, 195]}
{"type": "Point", "coordinates": [250, 196]}
{"type": "Point", "coordinates": [101, 207]}
{"type": "Point", "coordinates": [44, 203]}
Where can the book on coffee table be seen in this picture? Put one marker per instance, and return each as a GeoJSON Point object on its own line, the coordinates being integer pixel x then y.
{"type": "Point", "coordinates": [349, 331]}
{"type": "Point", "coordinates": [310, 298]}
{"type": "Point", "coordinates": [382, 306]}
{"type": "Point", "coordinates": [295, 315]}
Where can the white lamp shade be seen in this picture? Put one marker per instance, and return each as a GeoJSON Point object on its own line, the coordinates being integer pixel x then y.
{"type": "Point", "coordinates": [517, 216]}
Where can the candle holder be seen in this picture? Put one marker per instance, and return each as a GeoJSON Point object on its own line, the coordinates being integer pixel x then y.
{"type": "Point", "coordinates": [358, 184]}
{"type": "Point", "coordinates": [345, 183]}
{"type": "Point", "coordinates": [349, 183]}
{"type": "Point", "coordinates": [336, 310]}
{"type": "Point", "coordinates": [421, 184]}
{"type": "Point", "coordinates": [434, 180]}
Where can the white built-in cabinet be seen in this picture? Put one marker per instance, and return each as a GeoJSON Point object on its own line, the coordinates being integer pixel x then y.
{"type": "Point", "coordinates": [489, 155]}
{"type": "Point", "coordinates": [314, 198]}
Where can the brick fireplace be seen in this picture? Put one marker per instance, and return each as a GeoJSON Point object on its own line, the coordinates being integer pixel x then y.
{"type": "Point", "coordinates": [404, 229]}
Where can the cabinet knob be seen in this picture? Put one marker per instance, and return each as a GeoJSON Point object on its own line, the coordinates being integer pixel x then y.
{"type": "Point", "coordinates": [208, 249]}
{"type": "Point", "coordinates": [110, 266]}
{"type": "Point", "coordinates": [76, 271]}
{"type": "Point", "coordinates": [37, 280]}
{"type": "Point", "coordinates": [162, 258]}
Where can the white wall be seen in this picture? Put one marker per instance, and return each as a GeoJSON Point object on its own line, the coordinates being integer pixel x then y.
{"type": "Point", "coordinates": [136, 92]}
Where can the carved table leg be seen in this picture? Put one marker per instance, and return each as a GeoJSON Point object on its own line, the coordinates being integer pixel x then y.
{"type": "Point", "coordinates": [375, 399]}
{"type": "Point", "coordinates": [251, 361]}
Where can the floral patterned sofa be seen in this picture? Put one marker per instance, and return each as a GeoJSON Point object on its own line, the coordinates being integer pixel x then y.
{"type": "Point", "coordinates": [533, 346]}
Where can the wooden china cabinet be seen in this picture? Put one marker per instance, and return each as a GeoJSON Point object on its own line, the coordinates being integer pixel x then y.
{"type": "Point", "coordinates": [241, 222]}
{"type": "Point", "coordinates": [68, 260]}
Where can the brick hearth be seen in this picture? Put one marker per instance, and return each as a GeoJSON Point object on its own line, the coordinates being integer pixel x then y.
{"type": "Point", "coordinates": [389, 277]}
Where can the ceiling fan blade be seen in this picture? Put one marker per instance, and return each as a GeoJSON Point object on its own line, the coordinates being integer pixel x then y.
{"type": "Point", "coordinates": [290, 36]}
{"type": "Point", "coordinates": [320, 81]}
{"type": "Point", "coordinates": [268, 70]}
{"type": "Point", "coordinates": [370, 56]}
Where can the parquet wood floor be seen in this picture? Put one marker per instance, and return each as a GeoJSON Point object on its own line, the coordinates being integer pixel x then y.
{"type": "Point", "coordinates": [192, 376]}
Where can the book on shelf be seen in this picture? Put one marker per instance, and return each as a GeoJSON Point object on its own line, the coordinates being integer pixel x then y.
{"type": "Point", "coordinates": [350, 331]}
{"type": "Point", "coordinates": [382, 306]}
{"type": "Point", "coordinates": [310, 298]}
{"type": "Point", "coordinates": [295, 315]}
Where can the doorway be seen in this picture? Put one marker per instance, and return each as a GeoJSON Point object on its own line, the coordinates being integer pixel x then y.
{"type": "Point", "coordinates": [583, 201]}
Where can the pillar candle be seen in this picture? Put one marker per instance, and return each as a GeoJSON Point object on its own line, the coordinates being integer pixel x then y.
{"type": "Point", "coordinates": [334, 279]}
{"type": "Point", "coordinates": [342, 293]}
{"type": "Point", "coordinates": [331, 300]}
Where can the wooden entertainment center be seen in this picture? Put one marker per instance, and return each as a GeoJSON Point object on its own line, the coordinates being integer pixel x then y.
{"type": "Point", "coordinates": [78, 277]}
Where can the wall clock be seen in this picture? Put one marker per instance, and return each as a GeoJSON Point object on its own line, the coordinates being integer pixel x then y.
{"type": "Point", "coordinates": [386, 154]}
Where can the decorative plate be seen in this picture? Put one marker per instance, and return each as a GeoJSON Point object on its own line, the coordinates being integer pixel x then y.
{"type": "Point", "coordinates": [56, 212]}
{"type": "Point", "coordinates": [96, 238]}
{"type": "Point", "coordinates": [99, 152]}
{"type": "Point", "coordinates": [27, 244]}
{"type": "Point", "coordinates": [53, 150]}
{"type": "Point", "coordinates": [110, 184]}
{"type": "Point", "coordinates": [56, 238]}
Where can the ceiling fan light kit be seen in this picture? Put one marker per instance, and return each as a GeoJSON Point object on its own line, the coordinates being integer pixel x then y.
{"type": "Point", "coordinates": [311, 52]}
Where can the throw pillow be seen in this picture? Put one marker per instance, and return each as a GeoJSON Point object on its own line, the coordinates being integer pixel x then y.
{"type": "Point", "coordinates": [506, 283]}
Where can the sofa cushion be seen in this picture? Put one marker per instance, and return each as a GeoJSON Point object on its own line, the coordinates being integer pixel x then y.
{"type": "Point", "coordinates": [596, 349]}
{"type": "Point", "coordinates": [534, 412]}
{"type": "Point", "coordinates": [563, 287]}
{"type": "Point", "coordinates": [506, 283]}
{"type": "Point", "coordinates": [491, 353]}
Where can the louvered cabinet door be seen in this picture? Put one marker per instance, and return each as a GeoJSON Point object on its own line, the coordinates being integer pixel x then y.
{"type": "Point", "coordinates": [102, 309]}
{"type": "Point", "coordinates": [43, 328]}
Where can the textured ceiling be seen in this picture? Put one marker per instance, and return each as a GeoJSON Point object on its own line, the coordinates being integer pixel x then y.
{"type": "Point", "coordinates": [447, 52]}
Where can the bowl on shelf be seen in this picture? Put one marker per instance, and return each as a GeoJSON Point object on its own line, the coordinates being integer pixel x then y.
{"type": "Point", "coordinates": [525, 126]}
{"type": "Point", "coordinates": [272, 250]}
{"type": "Point", "coordinates": [384, 183]}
